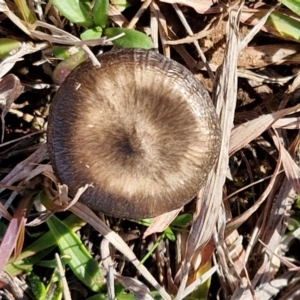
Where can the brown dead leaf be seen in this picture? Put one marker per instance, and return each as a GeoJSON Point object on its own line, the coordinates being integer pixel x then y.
{"type": "Point", "coordinates": [160, 223]}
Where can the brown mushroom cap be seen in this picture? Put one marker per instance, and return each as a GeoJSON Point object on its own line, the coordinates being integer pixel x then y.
{"type": "Point", "coordinates": [141, 129]}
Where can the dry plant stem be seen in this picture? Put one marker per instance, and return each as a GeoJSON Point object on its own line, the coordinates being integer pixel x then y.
{"type": "Point", "coordinates": [71, 39]}
{"type": "Point", "coordinates": [4, 8]}
{"type": "Point", "coordinates": [250, 173]}
{"type": "Point", "coordinates": [66, 291]}
{"type": "Point", "coordinates": [255, 29]}
{"type": "Point", "coordinates": [254, 128]}
{"type": "Point", "coordinates": [285, 261]}
{"type": "Point", "coordinates": [225, 97]}
{"type": "Point", "coordinates": [228, 274]}
{"type": "Point", "coordinates": [13, 286]}
{"type": "Point", "coordinates": [249, 185]}
{"type": "Point", "coordinates": [117, 17]}
{"type": "Point", "coordinates": [109, 266]}
{"type": "Point", "coordinates": [154, 27]}
{"type": "Point", "coordinates": [247, 74]}
{"type": "Point", "coordinates": [236, 222]}
{"type": "Point", "coordinates": [23, 169]}
{"type": "Point", "coordinates": [137, 16]}
{"type": "Point", "coordinates": [188, 59]}
{"type": "Point", "coordinates": [196, 44]}
{"type": "Point", "coordinates": [199, 281]}
{"type": "Point", "coordinates": [162, 27]}
{"type": "Point", "coordinates": [197, 36]}
{"type": "Point", "coordinates": [276, 222]}
{"type": "Point", "coordinates": [139, 290]}
{"type": "Point", "coordinates": [22, 138]}
{"type": "Point", "coordinates": [86, 214]}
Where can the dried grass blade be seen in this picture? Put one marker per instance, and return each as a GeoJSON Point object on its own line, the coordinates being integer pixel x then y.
{"type": "Point", "coordinates": [140, 291]}
{"type": "Point", "coordinates": [292, 170]}
{"type": "Point", "coordinates": [256, 28]}
{"type": "Point", "coordinates": [86, 214]}
{"type": "Point", "coordinates": [210, 198]}
{"type": "Point", "coordinates": [24, 168]}
{"type": "Point", "coordinates": [161, 222]}
{"type": "Point", "coordinates": [236, 222]}
{"type": "Point", "coordinates": [245, 133]}
{"type": "Point", "coordinates": [18, 22]}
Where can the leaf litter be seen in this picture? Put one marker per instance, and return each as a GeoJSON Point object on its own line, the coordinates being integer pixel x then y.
{"type": "Point", "coordinates": [244, 232]}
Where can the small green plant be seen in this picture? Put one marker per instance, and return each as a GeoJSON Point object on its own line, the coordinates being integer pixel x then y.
{"type": "Point", "coordinates": [94, 19]}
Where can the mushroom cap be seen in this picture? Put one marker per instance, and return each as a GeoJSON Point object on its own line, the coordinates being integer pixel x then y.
{"type": "Point", "coordinates": [141, 129]}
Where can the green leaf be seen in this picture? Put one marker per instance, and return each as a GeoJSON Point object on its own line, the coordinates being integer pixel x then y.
{"type": "Point", "coordinates": [182, 220]}
{"type": "Point", "coordinates": [100, 12]}
{"type": "Point", "coordinates": [75, 11]}
{"type": "Point", "coordinates": [81, 263]}
{"type": "Point", "coordinates": [284, 26]}
{"type": "Point", "coordinates": [39, 249]}
{"type": "Point", "coordinates": [131, 39]}
{"type": "Point", "coordinates": [169, 234]}
{"type": "Point", "coordinates": [293, 5]}
{"type": "Point", "coordinates": [91, 34]}
{"type": "Point", "coordinates": [26, 264]}
{"type": "Point", "coordinates": [7, 46]}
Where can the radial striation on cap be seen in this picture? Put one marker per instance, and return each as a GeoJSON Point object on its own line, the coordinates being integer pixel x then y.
{"type": "Point", "coordinates": [141, 129]}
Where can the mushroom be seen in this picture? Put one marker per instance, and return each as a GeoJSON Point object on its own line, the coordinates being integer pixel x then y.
{"type": "Point", "coordinates": [141, 129]}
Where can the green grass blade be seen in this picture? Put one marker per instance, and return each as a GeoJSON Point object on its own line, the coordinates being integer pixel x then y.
{"type": "Point", "coordinates": [82, 264]}
{"type": "Point", "coordinates": [39, 249]}
{"type": "Point", "coordinates": [284, 26]}
{"type": "Point", "coordinates": [293, 5]}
